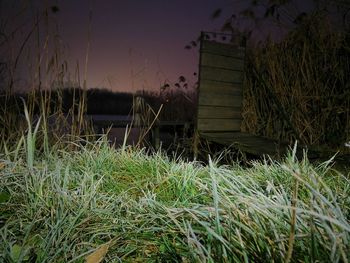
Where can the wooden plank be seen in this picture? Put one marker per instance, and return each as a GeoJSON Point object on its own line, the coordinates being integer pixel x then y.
{"type": "Point", "coordinates": [219, 61]}
{"type": "Point", "coordinates": [221, 88]}
{"type": "Point", "coordinates": [224, 75]}
{"type": "Point", "coordinates": [248, 143]}
{"type": "Point", "coordinates": [219, 124]}
{"type": "Point", "coordinates": [253, 144]}
{"type": "Point", "coordinates": [224, 49]}
{"type": "Point", "coordinates": [213, 112]}
{"type": "Point", "coordinates": [214, 99]}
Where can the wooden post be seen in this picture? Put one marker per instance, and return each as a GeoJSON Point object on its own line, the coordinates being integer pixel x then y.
{"type": "Point", "coordinates": [195, 145]}
{"type": "Point", "coordinates": [138, 108]}
{"type": "Point", "coordinates": [156, 137]}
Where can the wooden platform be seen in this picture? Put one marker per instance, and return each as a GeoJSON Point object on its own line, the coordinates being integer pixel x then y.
{"type": "Point", "coordinates": [102, 122]}
{"type": "Point", "coordinates": [249, 143]}
{"type": "Point", "coordinates": [220, 100]}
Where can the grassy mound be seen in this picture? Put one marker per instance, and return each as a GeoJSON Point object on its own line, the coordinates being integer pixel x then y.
{"type": "Point", "coordinates": [97, 203]}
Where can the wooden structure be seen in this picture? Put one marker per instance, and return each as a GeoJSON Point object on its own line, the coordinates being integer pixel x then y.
{"type": "Point", "coordinates": [103, 122]}
{"type": "Point", "coordinates": [220, 97]}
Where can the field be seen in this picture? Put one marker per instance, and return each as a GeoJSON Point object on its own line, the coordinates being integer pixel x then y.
{"type": "Point", "coordinates": [89, 202]}
{"type": "Point", "coordinates": [68, 195]}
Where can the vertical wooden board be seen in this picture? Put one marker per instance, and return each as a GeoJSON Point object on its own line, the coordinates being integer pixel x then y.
{"type": "Point", "coordinates": [221, 100]}
{"type": "Point", "coordinates": [224, 75]}
{"type": "Point", "coordinates": [208, 86]}
{"type": "Point", "coordinates": [214, 112]}
{"type": "Point", "coordinates": [220, 84]}
{"type": "Point", "coordinates": [219, 125]}
{"type": "Point", "coordinates": [219, 61]}
{"type": "Point", "coordinates": [222, 49]}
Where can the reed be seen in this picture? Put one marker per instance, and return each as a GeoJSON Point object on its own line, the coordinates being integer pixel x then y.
{"type": "Point", "coordinates": [299, 88]}
{"type": "Point", "coordinates": [41, 56]}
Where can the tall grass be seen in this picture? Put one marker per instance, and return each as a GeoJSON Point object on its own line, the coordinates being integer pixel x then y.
{"type": "Point", "coordinates": [64, 204]}
{"type": "Point", "coordinates": [127, 205]}
{"type": "Point", "coordinates": [40, 55]}
{"type": "Point", "coordinates": [299, 88]}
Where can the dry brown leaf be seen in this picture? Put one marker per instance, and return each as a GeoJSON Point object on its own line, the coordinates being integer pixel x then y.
{"type": "Point", "coordinates": [98, 255]}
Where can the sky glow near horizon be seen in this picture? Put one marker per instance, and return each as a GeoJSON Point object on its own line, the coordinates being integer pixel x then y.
{"type": "Point", "coordinates": [134, 44]}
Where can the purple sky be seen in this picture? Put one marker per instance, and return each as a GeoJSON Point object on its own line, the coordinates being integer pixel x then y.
{"type": "Point", "coordinates": [135, 44]}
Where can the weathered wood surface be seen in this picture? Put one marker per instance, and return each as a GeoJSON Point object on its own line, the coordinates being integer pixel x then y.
{"type": "Point", "coordinates": [218, 112]}
{"type": "Point", "coordinates": [249, 143]}
{"type": "Point", "coordinates": [223, 49]}
{"type": "Point", "coordinates": [219, 61]}
{"type": "Point", "coordinates": [222, 75]}
{"type": "Point", "coordinates": [210, 86]}
{"type": "Point", "coordinates": [220, 101]}
{"type": "Point", "coordinates": [219, 125]}
{"type": "Point", "coordinates": [220, 92]}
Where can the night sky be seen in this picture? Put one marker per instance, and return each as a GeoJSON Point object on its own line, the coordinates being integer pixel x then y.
{"type": "Point", "coordinates": [134, 44]}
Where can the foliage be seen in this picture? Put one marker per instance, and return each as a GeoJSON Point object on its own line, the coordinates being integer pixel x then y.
{"type": "Point", "coordinates": [299, 88]}
{"type": "Point", "coordinates": [261, 19]}
{"type": "Point", "coordinates": [32, 59]}
{"type": "Point", "coordinates": [296, 81]}
{"type": "Point", "coordinates": [127, 205]}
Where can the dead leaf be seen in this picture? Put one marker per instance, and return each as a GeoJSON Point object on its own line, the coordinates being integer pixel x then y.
{"type": "Point", "coordinates": [98, 255]}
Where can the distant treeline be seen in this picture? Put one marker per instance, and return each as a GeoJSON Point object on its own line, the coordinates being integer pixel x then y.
{"type": "Point", "coordinates": [98, 101]}
{"type": "Point", "coordinates": [177, 104]}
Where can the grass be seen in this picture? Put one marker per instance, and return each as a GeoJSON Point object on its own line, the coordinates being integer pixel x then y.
{"type": "Point", "coordinates": [298, 88]}
{"type": "Point", "coordinates": [94, 202]}
{"type": "Point", "coordinates": [65, 200]}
